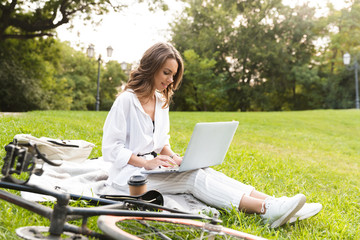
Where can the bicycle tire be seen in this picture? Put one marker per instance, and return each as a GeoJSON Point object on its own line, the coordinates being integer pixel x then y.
{"type": "Point", "coordinates": [171, 228]}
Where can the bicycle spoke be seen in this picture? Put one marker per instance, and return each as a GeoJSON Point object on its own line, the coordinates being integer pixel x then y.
{"type": "Point", "coordinates": [161, 230]}
{"type": "Point", "coordinates": [159, 233]}
{"type": "Point", "coordinates": [135, 227]}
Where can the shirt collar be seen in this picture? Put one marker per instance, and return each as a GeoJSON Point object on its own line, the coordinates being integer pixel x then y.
{"type": "Point", "coordinates": [158, 97]}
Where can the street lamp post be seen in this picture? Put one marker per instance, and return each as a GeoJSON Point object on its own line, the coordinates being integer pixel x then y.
{"type": "Point", "coordinates": [90, 52]}
{"type": "Point", "coordinates": [346, 59]}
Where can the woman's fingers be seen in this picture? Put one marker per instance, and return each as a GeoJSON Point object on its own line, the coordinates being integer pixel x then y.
{"type": "Point", "coordinates": [178, 160]}
{"type": "Point", "coordinates": [166, 161]}
{"type": "Point", "coordinates": [160, 160]}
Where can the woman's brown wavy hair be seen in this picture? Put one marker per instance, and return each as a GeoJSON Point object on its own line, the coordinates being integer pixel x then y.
{"type": "Point", "coordinates": [141, 80]}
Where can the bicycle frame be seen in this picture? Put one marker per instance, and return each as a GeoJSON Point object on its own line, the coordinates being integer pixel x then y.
{"type": "Point", "coordinates": [21, 158]}
{"type": "Point", "coordinates": [62, 212]}
{"type": "Point", "coordinates": [20, 163]}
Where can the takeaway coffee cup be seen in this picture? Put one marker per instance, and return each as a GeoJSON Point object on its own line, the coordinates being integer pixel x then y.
{"type": "Point", "coordinates": [137, 185]}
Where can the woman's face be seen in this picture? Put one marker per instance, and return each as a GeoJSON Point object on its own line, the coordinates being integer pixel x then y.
{"type": "Point", "coordinates": [165, 75]}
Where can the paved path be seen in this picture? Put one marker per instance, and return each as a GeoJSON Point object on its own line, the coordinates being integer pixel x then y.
{"type": "Point", "coordinates": [9, 113]}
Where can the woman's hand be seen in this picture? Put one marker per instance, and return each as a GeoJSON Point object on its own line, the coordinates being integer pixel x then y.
{"type": "Point", "coordinates": [160, 160]}
{"type": "Point", "coordinates": [167, 151]}
{"type": "Point", "coordinates": [177, 159]}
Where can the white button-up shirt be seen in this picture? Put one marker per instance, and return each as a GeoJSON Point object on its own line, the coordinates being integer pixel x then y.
{"type": "Point", "coordinates": [129, 130]}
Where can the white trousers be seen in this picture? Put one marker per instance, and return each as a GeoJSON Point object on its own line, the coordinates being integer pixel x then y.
{"type": "Point", "coordinates": [210, 186]}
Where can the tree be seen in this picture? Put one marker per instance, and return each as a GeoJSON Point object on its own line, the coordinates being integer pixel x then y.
{"type": "Point", "coordinates": [252, 43]}
{"type": "Point", "coordinates": [202, 90]}
{"type": "Point", "coordinates": [257, 46]}
{"type": "Point", "coordinates": [293, 41]}
{"type": "Point", "coordinates": [309, 88]}
{"type": "Point", "coordinates": [37, 71]}
{"type": "Point", "coordinates": [55, 77]}
{"type": "Point", "coordinates": [26, 75]}
{"type": "Point", "coordinates": [112, 79]}
{"type": "Point", "coordinates": [342, 35]}
{"type": "Point", "coordinates": [37, 18]}
{"type": "Point", "coordinates": [79, 75]}
{"type": "Point", "coordinates": [203, 28]}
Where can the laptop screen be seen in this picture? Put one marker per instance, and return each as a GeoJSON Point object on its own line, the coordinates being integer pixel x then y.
{"type": "Point", "coordinates": [208, 144]}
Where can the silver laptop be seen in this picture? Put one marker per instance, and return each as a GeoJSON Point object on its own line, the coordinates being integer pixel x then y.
{"type": "Point", "coordinates": [207, 147]}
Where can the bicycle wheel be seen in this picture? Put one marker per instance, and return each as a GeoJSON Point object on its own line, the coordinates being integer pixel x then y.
{"type": "Point", "coordinates": [166, 228]}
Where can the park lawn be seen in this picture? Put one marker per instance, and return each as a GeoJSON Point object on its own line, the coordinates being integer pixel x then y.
{"type": "Point", "coordinates": [316, 153]}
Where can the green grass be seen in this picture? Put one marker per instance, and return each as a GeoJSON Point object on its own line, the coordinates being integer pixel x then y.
{"type": "Point", "coordinates": [280, 153]}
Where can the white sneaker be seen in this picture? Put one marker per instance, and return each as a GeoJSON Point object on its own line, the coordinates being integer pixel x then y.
{"type": "Point", "coordinates": [308, 210]}
{"type": "Point", "coordinates": [280, 210]}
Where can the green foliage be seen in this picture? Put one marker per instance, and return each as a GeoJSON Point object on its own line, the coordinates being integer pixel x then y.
{"type": "Point", "coordinates": [310, 88]}
{"type": "Point", "coordinates": [204, 28]}
{"type": "Point", "coordinates": [202, 90]}
{"type": "Point", "coordinates": [257, 46]}
{"type": "Point", "coordinates": [112, 78]}
{"type": "Point", "coordinates": [239, 55]}
{"type": "Point", "coordinates": [279, 153]}
{"type": "Point", "coordinates": [40, 72]}
{"type": "Point", "coordinates": [80, 74]}
{"type": "Point", "coordinates": [292, 41]}
{"type": "Point", "coordinates": [34, 18]}
{"type": "Point", "coordinates": [342, 32]}
{"type": "Point", "coordinates": [58, 77]}
{"type": "Point", "coordinates": [27, 76]}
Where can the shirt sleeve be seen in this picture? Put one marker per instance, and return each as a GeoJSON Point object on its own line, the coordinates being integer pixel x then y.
{"type": "Point", "coordinates": [114, 134]}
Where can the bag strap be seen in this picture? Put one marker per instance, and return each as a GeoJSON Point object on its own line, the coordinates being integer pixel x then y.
{"type": "Point", "coordinates": [63, 144]}
{"type": "Point", "coordinates": [42, 157]}
{"type": "Point", "coordinates": [38, 153]}
{"type": "Point", "coordinates": [151, 196]}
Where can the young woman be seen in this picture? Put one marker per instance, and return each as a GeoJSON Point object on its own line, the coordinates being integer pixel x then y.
{"type": "Point", "coordinates": [137, 127]}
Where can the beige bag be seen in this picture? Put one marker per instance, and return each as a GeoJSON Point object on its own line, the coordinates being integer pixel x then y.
{"type": "Point", "coordinates": [56, 149]}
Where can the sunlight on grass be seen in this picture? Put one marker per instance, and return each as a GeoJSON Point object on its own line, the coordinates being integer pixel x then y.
{"type": "Point", "coordinates": [281, 153]}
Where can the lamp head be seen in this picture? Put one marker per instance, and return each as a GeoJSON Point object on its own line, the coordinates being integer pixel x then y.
{"type": "Point", "coordinates": [123, 66]}
{"type": "Point", "coordinates": [90, 51]}
{"type": "Point", "coordinates": [346, 58]}
{"type": "Point", "coordinates": [109, 51]}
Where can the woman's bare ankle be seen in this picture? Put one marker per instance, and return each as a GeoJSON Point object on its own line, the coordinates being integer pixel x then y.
{"type": "Point", "coordinates": [250, 204]}
{"type": "Point", "coordinates": [258, 195]}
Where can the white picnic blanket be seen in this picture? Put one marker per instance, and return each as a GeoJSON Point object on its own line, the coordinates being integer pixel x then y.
{"type": "Point", "coordinates": [88, 178]}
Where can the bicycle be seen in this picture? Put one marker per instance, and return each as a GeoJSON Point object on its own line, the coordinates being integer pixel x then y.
{"type": "Point", "coordinates": [120, 217]}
